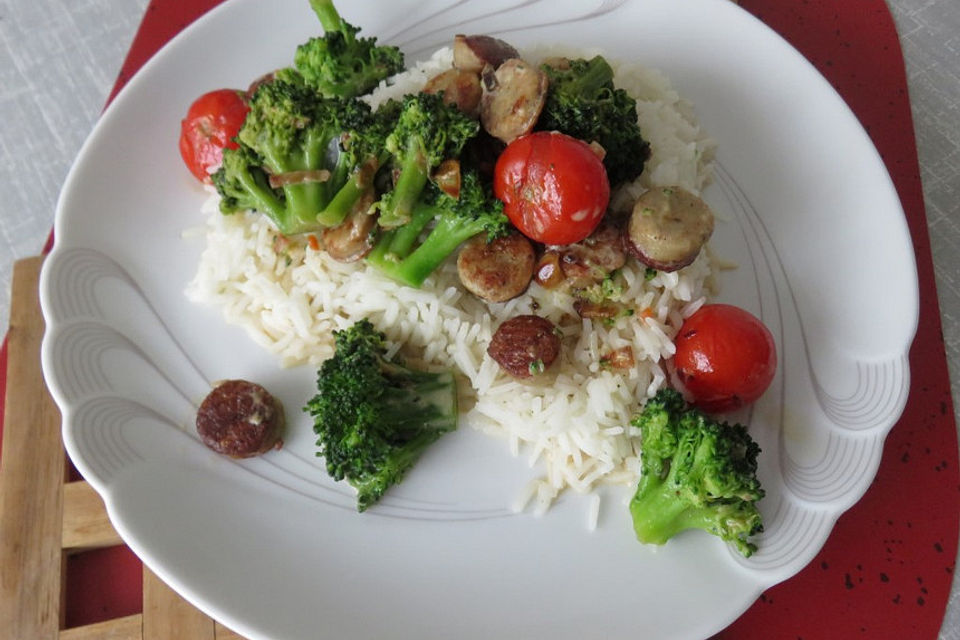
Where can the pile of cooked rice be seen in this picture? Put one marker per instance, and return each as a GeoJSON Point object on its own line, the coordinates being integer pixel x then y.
{"type": "Point", "coordinates": [574, 420]}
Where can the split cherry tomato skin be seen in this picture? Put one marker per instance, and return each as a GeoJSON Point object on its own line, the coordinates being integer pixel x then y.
{"type": "Point", "coordinates": [726, 358]}
{"type": "Point", "coordinates": [554, 187]}
{"type": "Point", "coordinates": [212, 122]}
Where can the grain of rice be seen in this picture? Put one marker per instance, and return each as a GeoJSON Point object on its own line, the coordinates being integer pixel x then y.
{"type": "Point", "coordinates": [593, 514]}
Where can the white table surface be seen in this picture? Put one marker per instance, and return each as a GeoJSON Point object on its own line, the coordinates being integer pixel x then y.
{"type": "Point", "coordinates": [59, 59]}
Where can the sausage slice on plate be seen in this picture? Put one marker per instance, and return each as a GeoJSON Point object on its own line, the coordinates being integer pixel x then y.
{"type": "Point", "coordinates": [460, 88]}
{"type": "Point", "coordinates": [513, 97]}
{"type": "Point", "coordinates": [473, 53]}
{"type": "Point", "coordinates": [525, 346]}
{"type": "Point", "coordinates": [497, 270]}
{"type": "Point", "coordinates": [583, 263]}
{"type": "Point", "coordinates": [668, 227]}
{"type": "Point", "coordinates": [240, 419]}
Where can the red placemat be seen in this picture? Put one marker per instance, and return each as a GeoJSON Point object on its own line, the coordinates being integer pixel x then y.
{"type": "Point", "coordinates": [887, 568]}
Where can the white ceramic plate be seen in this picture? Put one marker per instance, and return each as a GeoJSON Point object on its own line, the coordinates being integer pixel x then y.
{"type": "Point", "coordinates": [274, 549]}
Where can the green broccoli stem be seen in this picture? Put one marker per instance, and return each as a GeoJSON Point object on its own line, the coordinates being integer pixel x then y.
{"type": "Point", "coordinates": [330, 18]}
{"type": "Point", "coordinates": [415, 401]}
{"type": "Point", "coordinates": [303, 204]}
{"type": "Point", "coordinates": [359, 183]}
{"type": "Point", "coordinates": [658, 515]}
{"type": "Point", "coordinates": [390, 254]}
{"type": "Point", "coordinates": [396, 244]}
{"type": "Point", "coordinates": [305, 200]}
{"type": "Point", "coordinates": [443, 240]}
{"type": "Point", "coordinates": [398, 204]}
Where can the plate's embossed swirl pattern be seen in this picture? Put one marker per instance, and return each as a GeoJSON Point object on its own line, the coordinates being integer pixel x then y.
{"type": "Point", "coordinates": [853, 423]}
{"type": "Point", "coordinates": [880, 392]}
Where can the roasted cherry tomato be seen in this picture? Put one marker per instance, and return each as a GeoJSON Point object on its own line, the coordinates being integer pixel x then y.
{"type": "Point", "coordinates": [554, 187]}
{"type": "Point", "coordinates": [211, 123]}
{"type": "Point", "coordinates": [725, 357]}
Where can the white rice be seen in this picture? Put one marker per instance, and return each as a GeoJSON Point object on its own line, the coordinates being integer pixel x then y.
{"type": "Point", "coordinates": [572, 422]}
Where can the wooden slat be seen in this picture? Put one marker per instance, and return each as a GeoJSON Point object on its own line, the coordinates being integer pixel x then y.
{"type": "Point", "coordinates": [166, 615]}
{"type": "Point", "coordinates": [126, 628]}
{"type": "Point", "coordinates": [85, 522]}
{"type": "Point", "coordinates": [32, 473]}
{"type": "Point", "coordinates": [223, 633]}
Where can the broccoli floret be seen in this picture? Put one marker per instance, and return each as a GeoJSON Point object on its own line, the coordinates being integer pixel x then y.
{"type": "Point", "coordinates": [427, 132]}
{"type": "Point", "coordinates": [340, 64]}
{"type": "Point", "coordinates": [583, 102]}
{"type": "Point", "coordinates": [374, 418]}
{"type": "Point", "coordinates": [243, 185]}
{"type": "Point", "coordinates": [696, 473]}
{"type": "Point", "coordinates": [407, 257]}
{"type": "Point", "coordinates": [292, 135]}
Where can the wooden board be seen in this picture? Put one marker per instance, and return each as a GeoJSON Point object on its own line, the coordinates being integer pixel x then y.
{"type": "Point", "coordinates": [43, 517]}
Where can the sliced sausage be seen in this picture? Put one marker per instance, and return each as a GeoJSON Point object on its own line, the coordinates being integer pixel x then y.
{"type": "Point", "coordinates": [668, 227]}
{"type": "Point", "coordinates": [583, 263]}
{"type": "Point", "coordinates": [499, 270]}
{"type": "Point", "coordinates": [460, 88]}
{"type": "Point", "coordinates": [240, 419]}
{"type": "Point", "coordinates": [473, 53]}
{"type": "Point", "coordinates": [593, 259]}
{"type": "Point", "coordinates": [513, 97]}
{"type": "Point", "coordinates": [525, 346]}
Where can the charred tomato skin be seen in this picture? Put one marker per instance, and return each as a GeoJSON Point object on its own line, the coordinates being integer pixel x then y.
{"type": "Point", "coordinates": [211, 123]}
{"type": "Point", "coordinates": [554, 187]}
{"type": "Point", "coordinates": [725, 358]}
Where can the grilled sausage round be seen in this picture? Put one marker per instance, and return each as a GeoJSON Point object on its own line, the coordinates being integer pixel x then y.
{"type": "Point", "coordinates": [473, 53]}
{"type": "Point", "coordinates": [583, 263]}
{"type": "Point", "coordinates": [240, 419]}
{"type": "Point", "coordinates": [525, 345]}
{"type": "Point", "coordinates": [460, 88]}
{"type": "Point", "coordinates": [668, 227]}
{"type": "Point", "coordinates": [497, 270]}
{"type": "Point", "coordinates": [513, 97]}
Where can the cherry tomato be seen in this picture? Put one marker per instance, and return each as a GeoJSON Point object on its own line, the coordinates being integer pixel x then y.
{"type": "Point", "coordinates": [725, 357]}
{"type": "Point", "coordinates": [211, 123]}
{"type": "Point", "coordinates": [554, 187]}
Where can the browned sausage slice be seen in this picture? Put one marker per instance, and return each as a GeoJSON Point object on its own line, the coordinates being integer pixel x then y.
{"type": "Point", "coordinates": [513, 97]}
{"type": "Point", "coordinates": [473, 53]}
{"type": "Point", "coordinates": [498, 270]}
{"type": "Point", "coordinates": [240, 419]}
{"type": "Point", "coordinates": [591, 260]}
{"type": "Point", "coordinates": [668, 227]}
{"type": "Point", "coordinates": [460, 88]}
{"type": "Point", "coordinates": [525, 346]}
